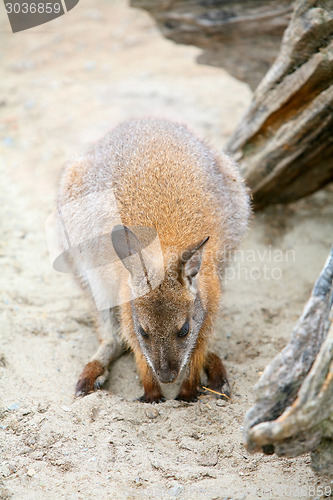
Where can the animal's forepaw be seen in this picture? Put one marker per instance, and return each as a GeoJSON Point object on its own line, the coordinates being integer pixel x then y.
{"type": "Point", "coordinates": [151, 398]}
{"type": "Point", "coordinates": [83, 387]}
{"type": "Point", "coordinates": [221, 390]}
{"type": "Point", "coordinates": [225, 390]}
{"type": "Point", "coordinates": [217, 376]}
{"type": "Point", "coordinates": [192, 399]}
{"type": "Point", "coordinates": [92, 375]}
{"type": "Point", "coordinates": [100, 381]}
{"type": "Point", "coordinates": [191, 396]}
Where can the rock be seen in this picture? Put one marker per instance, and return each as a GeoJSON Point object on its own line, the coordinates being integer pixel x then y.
{"type": "Point", "coordinates": [65, 408]}
{"type": "Point", "coordinates": [152, 413]}
{"type": "Point", "coordinates": [220, 402]}
{"type": "Point", "coordinates": [94, 413]}
{"type": "Point", "coordinates": [43, 407]}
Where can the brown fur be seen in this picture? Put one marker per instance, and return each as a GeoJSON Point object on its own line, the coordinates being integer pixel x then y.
{"type": "Point", "coordinates": [152, 389]}
{"type": "Point", "coordinates": [88, 377]}
{"type": "Point", "coordinates": [217, 374]}
{"type": "Point", "coordinates": [162, 177]}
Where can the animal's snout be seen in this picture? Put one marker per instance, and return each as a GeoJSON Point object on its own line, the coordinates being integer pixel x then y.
{"type": "Point", "coordinates": [166, 376]}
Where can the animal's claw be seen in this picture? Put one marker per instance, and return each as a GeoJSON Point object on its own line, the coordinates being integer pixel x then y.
{"type": "Point", "coordinates": [83, 387]}
{"type": "Point", "coordinates": [145, 399]}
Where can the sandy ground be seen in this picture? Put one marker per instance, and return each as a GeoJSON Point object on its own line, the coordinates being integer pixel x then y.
{"type": "Point", "coordinates": [63, 85]}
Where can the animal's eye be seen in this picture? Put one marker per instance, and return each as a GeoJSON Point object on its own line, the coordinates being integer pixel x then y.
{"type": "Point", "coordinates": [184, 330]}
{"type": "Point", "coordinates": [143, 332]}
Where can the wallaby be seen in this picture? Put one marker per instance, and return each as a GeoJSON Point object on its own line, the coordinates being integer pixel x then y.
{"type": "Point", "coordinates": [148, 180]}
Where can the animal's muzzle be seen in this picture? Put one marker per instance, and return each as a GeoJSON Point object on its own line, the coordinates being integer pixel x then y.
{"type": "Point", "coordinates": [166, 376]}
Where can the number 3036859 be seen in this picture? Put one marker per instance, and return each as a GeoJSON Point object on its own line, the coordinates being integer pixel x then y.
{"type": "Point", "coordinates": [33, 8]}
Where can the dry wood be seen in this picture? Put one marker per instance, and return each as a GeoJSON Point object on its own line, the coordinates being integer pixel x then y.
{"type": "Point", "coordinates": [293, 412]}
{"type": "Point", "coordinates": [285, 141]}
{"type": "Point", "coordinates": [242, 36]}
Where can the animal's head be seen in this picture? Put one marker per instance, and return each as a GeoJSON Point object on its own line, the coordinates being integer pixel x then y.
{"type": "Point", "coordinates": [167, 319]}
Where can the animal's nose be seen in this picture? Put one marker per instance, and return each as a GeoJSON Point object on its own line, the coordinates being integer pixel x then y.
{"type": "Point", "coordinates": [166, 376]}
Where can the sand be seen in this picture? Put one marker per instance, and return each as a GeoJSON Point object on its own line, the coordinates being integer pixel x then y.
{"type": "Point", "coordinates": [63, 86]}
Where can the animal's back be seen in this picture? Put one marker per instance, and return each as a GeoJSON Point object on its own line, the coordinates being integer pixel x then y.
{"type": "Point", "coordinates": [163, 177]}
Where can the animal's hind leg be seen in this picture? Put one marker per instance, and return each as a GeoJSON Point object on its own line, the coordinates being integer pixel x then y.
{"type": "Point", "coordinates": [217, 374]}
{"type": "Point", "coordinates": [96, 372]}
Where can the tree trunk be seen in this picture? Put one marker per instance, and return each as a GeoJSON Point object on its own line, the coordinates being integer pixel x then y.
{"type": "Point", "coordinates": [293, 412]}
{"type": "Point", "coordinates": [285, 141]}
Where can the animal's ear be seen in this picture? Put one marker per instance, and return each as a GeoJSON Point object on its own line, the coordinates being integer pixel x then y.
{"type": "Point", "coordinates": [126, 244]}
{"type": "Point", "coordinates": [191, 259]}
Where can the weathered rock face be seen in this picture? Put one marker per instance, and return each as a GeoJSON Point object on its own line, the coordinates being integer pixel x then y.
{"type": "Point", "coordinates": [284, 143]}
{"type": "Point", "coordinates": [242, 36]}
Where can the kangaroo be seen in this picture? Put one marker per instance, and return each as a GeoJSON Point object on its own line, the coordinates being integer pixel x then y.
{"type": "Point", "coordinates": [149, 184]}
